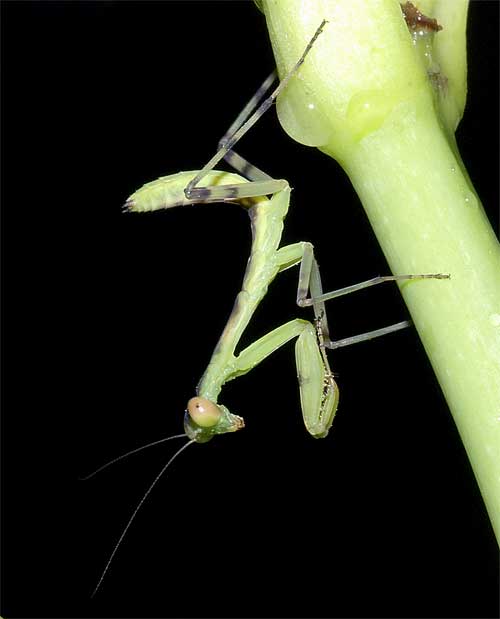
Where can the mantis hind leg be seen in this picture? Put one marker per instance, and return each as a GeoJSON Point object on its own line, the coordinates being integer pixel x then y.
{"type": "Point", "coordinates": [260, 183]}
{"type": "Point", "coordinates": [245, 121]}
{"type": "Point", "coordinates": [241, 165]}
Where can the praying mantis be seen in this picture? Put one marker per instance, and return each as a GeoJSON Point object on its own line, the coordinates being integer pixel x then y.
{"type": "Point", "coordinates": [319, 394]}
{"type": "Point", "coordinates": [267, 201]}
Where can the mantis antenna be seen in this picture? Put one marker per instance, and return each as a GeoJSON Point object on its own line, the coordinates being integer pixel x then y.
{"type": "Point", "coordinates": [129, 453]}
{"type": "Point", "coordinates": [134, 513]}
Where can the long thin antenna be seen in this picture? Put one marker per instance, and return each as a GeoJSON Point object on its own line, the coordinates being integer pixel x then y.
{"type": "Point", "coordinates": [139, 505]}
{"type": "Point", "coordinates": [129, 453]}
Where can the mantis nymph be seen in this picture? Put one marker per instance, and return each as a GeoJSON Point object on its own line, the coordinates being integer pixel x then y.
{"type": "Point", "coordinates": [205, 417]}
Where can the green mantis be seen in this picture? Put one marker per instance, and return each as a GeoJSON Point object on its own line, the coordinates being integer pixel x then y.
{"type": "Point", "coordinates": [319, 394]}
{"type": "Point", "coordinates": [266, 201]}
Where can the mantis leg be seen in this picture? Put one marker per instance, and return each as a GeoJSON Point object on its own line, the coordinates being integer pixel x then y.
{"type": "Point", "coordinates": [256, 352]}
{"type": "Point", "coordinates": [228, 143]}
{"type": "Point", "coordinates": [260, 183]}
{"type": "Point", "coordinates": [310, 281]}
{"type": "Point", "coordinates": [318, 298]}
{"type": "Point", "coordinates": [229, 193]}
{"type": "Point", "coordinates": [238, 163]}
{"type": "Point", "coordinates": [319, 393]}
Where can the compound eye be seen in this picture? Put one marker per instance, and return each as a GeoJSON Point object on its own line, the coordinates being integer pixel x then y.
{"type": "Point", "coordinates": [203, 412]}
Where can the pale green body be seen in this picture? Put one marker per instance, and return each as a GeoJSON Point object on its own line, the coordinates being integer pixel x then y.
{"type": "Point", "coordinates": [318, 390]}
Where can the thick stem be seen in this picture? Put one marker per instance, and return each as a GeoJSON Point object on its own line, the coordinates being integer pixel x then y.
{"type": "Point", "coordinates": [428, 219]}
{"type": "Point", "coordinates": [364, 98]}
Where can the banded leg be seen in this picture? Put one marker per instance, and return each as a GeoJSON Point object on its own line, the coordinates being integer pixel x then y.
{"type": "Point", "coordinates": [310, 282]}
{"type": "Point", "coordinates": [244, 167]}
{"type": "Point", "coordinates": [260, 183]}
{"type": "Point", "coordinates": [229, 142]}
{"type": "Point", "coordinates": [318, 299]}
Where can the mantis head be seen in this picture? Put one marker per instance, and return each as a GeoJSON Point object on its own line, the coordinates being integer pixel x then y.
{"type": "Point", "coordinates": [204, 419]}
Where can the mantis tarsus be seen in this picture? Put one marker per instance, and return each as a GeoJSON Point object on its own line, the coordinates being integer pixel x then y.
{"type": "Point", "coordinates": [205, 417]}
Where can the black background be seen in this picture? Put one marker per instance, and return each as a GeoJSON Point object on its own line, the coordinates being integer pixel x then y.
{"type": "Point", "coordinates": [110, 320]}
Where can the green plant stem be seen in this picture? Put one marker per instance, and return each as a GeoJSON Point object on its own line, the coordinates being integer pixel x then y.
{"type": "Point", "coordinates": [427, 219]}
{"type": "Point", "coordinates": [364, 98]}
